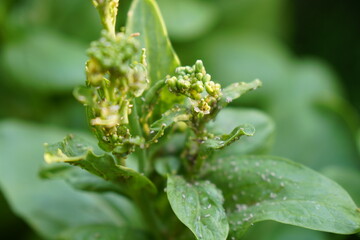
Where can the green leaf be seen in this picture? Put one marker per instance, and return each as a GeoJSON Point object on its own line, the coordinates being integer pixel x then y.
{"type": "Point", "coordinates": [358, 140]}
{"type": "Point", "coordinates": [45, 61]}
{"type": "Point", "coordinates": [236, 90]}
{"type": "Point", "coordinates": [196, 17]}
{"type": "Point", "coordinates": [270, 230]}
{"type": "Point", "coordinates": [219, 142]}
{"type": "Point", "coordinates": [50, 207]}
{"type": "Point", "coordinates": [258, 188]}
{"type": "Point", "coordinates": [199, 207]}
{"type": "Point", "coordinates": [229, 118]}
{"type": "Point", "coordinates": [167, 165]}
{"type": "Point", "coordinates": [170, 117]}
{"type": "Point", "coordinates": [296, 109]}
{"type": "Point", "coordinates": [79, 152]}
{"type": "Point", "coordinates": [346, 177]}
{"type": "Point", "coordinates": [145, 18]}
{"type": "Point", "coordinates": [85, 95]}
{"type": "Point", "coordinates": [79, 178]}
{"type": "Point", "coordinates": [92, 232]}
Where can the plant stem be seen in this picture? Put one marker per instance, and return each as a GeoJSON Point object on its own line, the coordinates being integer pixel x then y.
{"type": "Point", "coordinates": [137, 131]}
{"type": "Point", "coordinates": [155, 226]}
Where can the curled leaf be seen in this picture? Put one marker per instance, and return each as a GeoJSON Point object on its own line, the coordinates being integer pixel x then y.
{"type": "Point", "coordinates": [224, 140]}
{"type": "Point", "coordinates": [78, 152]}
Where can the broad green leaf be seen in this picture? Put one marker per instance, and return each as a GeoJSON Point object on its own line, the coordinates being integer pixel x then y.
{"type": "Point", "coordinates": [197, 18]}
{"type": "Point", "coordinates": [45, 61]}
{"type": "Point", "coordinates": [322, 131]}
{"type": "Point", "coordinates": [229, 118]}
{"type": "Point", "coordinates": [167, 165]}
{"type": "Point", "coordinates": [258, 188]}
{"type": "Point", "coordinates": [79, 178]}
{"type": "Point", "coordinates": [145, 18]}
{"type": "Point", "coordinates": [79, 152]}
{"type": "Point", "coordinates": [50, 207]}
{"type": "Point", "coordinates": [219, 142]}
{"type": "Point", "coordinates": [270, 230]}
{"type": "Point", "coordinates": [93, 232]}
{"type": "Point", "coordinates": [249, 15]}
{"type": "Point", "coordinates": [358, 140]}
{"type": "Point", "coordinates": [199, 207]}
{"type": "Point", "coordinates": [347, 178]}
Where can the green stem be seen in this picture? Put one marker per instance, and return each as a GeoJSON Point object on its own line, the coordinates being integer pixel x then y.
{"type": "Point", "coordinates": [147, 209]}
{"type": "Point", "coordinates": [137, 131]}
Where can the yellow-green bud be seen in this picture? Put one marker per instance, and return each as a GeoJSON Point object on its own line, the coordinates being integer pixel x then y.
{"type": "Point", "coordinates": [199, 66]}
{"type": "Point", "coordinates": [206, 78]}
{"type": "Point", "coordinates": [171, 82]}
{"type": "Point", "coordinates": [199, 76]}
{"type": "Point", "coordinates": [198, 86]}
{"type": "Point", "coordinates": [183, 85]}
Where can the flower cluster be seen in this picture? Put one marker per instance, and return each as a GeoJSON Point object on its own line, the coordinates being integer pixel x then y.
{"type": "Point", "coordinates": [196, 84]}
{"type": "Point", "coordinates": [114, 79]}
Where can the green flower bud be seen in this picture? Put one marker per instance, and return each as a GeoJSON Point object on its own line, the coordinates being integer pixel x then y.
{"type": "Point", "coordinates": [206, 78]}
{"type": "Point", "coordinates": [171, 82]}
{"type": "Point", "coordinates": [189, 70]}
{"type": "Point", "coordinates": [199, 76]}
{"type": "Point", "coordinates": [209, 87]}
{"type": "Point", "coordinates": [183, 85]}
{"type": "Point", "coordinates": [198, 86]}
{"type": "Point", "coordinates": [199, 66]}
{"type": "Point", "coordinates": [194, 95]}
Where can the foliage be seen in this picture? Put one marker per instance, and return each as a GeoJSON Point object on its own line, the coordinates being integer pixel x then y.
{"type": "Point", "coordinates": [162, 126]}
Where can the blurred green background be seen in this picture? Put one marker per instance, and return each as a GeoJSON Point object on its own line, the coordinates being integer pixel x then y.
{"type": "Point", "coordinates": [307, 53]}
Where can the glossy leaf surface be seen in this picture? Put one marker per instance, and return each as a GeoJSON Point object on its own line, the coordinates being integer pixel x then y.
{"type": "Point", "coordinates": [199, 207]}
{"type": "Point", "coordinates": [258, 188]}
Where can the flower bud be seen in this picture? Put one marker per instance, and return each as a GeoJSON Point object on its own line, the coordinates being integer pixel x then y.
{"type": "Point", "coordinates": [183, 85]}
{"type": "Point", "coordinates": [198, 86]}
{"type": "Point", "coordinates": [199, 76]}
{"type": "Point", "coordinates": [199, 66]}
{"type": "Point", "coordinates": [206, 78]}
{"type": "Point", "coordinates": [171, 82]}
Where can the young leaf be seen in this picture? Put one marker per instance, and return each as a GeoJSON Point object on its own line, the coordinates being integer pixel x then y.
{"type": "Point", "coordinates": [101, 232]}
{"type": "Point", "coordinates": [236, 90]}
{"type": "Point", "coordinates": [199, 207]}
{"type": "Point", "coordinates": [229, 118]}
{"type": "Point", "coordinates": [170, 117]}
{"type": "Point", "coordinates": [79, 178]}
{"type": "Point", "coordinates": [258, 188]}
{"type": "Point", "coordinates": [77, 151]}
{"type": "Point", "coordinates": [227, 139]}
{"type": "Point", "coordinates": [144, 17]}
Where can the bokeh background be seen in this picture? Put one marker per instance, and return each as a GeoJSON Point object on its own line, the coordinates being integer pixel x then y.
{"type": "Point", "coordinates": [306, 52]}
